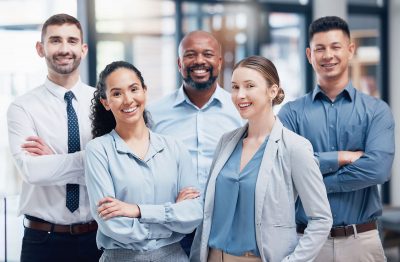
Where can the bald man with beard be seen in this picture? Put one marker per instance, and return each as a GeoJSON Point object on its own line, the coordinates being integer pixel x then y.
{"type": "Point", "coordinates": [200, 111]}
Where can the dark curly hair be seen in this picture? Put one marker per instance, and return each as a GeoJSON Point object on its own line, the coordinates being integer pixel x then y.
{"type": "Point", "coordinates": [103, 121]}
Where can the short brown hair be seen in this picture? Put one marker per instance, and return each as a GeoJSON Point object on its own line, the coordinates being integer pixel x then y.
{"type": "Point", "coordinates": [267, 69]}
{"type": "Point", "coordinates": [60, 19]}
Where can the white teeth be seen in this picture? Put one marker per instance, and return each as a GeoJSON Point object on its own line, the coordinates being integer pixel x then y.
{"type": "Point", "coordinates": [129, 110]}
{"type": "Point", "coordinates": [244, 105]}
{"type": "Point", "coordinates": [199, 71]}
{"type": "Point", "coordinates": [328, 65]}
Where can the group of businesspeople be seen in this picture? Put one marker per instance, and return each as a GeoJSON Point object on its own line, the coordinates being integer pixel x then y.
{"type": "Point", "coordinates": [202, 174]}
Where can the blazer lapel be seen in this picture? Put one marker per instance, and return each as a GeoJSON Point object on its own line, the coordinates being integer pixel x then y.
{"type": "Point", "coordinates": [265, 169]}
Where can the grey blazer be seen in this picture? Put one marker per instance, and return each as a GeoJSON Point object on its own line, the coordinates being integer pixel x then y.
{"type": "Point", "coordinates": [288, 170]}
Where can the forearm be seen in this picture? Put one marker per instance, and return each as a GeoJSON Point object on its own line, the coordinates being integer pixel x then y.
{"type": "Point", "coordinates": [182, 217]}
{"type": "Point", "coordinates": [56, 169]}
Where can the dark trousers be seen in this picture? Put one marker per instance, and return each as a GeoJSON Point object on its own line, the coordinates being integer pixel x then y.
{"type": "Point", "coordinates": [42, 246]}
{"type": "Point", "coordinates": [187, 241]}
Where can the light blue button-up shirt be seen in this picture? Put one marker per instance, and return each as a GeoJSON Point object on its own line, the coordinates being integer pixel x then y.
{"type": "Point", "coordinates": [112, 169]}
{"type": "Point", "coordinates": [233, 228]}
{"type": "Point", "coordinates": [354, 121]}
{"type": "Point", "coordinates": [198, 128]}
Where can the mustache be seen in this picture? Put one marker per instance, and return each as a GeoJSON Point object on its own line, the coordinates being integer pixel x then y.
{"type": "Point", "coordinates": [64, 54]}
{"type": "Point", "coordinates": [194, 67]}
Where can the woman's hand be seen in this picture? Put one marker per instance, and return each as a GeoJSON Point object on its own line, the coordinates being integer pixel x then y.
{"type": "Point", "coordinates": [109, 207]}
{"type": "Point", "coordinates": [187, 193]}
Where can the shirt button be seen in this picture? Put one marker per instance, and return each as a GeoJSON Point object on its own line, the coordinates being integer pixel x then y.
{"type": "Point", "coordinates": [333, 148]}
{"type": "Point", "coordinates": [332, 105]}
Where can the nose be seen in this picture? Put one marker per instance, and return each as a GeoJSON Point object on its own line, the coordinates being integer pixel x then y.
{"type": "Point", "coordinates": [199, 59]}
{"type": "Point", "coordinates": [241, 93]}
{"type": "Point", "coordinates": [328, 54]}
{"type": "Point", "coordinates": [128, 98]}
{"type": "Point", "coordinates": [63, 48]}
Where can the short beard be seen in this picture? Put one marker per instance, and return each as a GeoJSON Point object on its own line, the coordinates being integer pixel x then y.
{"type": "Point", "coordinates": [200, 86]}
{"type": "Point", "coordinates": [61, 69]}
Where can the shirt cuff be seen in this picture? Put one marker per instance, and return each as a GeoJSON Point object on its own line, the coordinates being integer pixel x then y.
{"type": "Point", "coordinates": [152, 213]}
{"type": "Point", "coordinates": [328, 161]}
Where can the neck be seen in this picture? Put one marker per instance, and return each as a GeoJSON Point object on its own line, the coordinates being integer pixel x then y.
{"type": "Point", "coordinates": [199, 97]}
{"type": "Point", "coordinates": [261, 126]}
{"type": "Point", "coordinates": [137, 131]}
{"type": "Point", "coordinates": [332, 88]}
{"type": "Point", "coordinates": [67, 81]}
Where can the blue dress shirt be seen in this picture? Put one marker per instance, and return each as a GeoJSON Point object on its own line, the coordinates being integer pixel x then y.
{"type": "Point", "coordinates": [198, 128]}
{"type": "Point", "coordinates": [112, 169]}
{"type": "Point", "coordinates": [354, 121]}
{"type": "Point", "coordinates": [233, 223]}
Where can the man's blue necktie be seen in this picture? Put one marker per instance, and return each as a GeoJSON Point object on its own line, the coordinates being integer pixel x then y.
{"type": "Point", "coordinates": [74, 145]}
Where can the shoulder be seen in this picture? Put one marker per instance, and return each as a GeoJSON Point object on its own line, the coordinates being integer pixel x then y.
{"type": "Point", "coordinates": [295, 142]}
{"type": "Point", "coordinates": [229, 135]}
{"type": "Point", "coordinates": [162, 104]}
{"type": "Point", "coordinates": [98, 144]}
{"type": "Point", "coordinates": [30, 97]}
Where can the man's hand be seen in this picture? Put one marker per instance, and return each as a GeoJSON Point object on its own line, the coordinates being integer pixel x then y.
{"type": "Point", "coordinates": [187, 193]}
{"type": "Point", "coordinates": [348, 157]}
{"type": "Point", "coordinates": [35, 146]}
{"type": "Point", "coordinates": [109, 207]}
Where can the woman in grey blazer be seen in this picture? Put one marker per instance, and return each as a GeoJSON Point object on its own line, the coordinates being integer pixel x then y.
{"type": "Point", "coordinates": [257, 174]}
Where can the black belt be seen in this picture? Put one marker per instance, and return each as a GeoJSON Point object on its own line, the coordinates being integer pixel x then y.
{"type": "Point", "coordinates": [73, 229]}
{"type": "Point", "coordinates": [344, 231]}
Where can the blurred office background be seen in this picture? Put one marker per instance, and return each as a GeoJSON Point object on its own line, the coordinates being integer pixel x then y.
{"type": "Point", "coordinates": [147, 33]}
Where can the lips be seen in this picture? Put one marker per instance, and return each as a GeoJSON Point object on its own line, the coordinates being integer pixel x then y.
{"type": "Point", "coordinates": [244, 105]}
{"type": "Point", "coordinates": [330, 65]}
{"type": "Point", "coordinates": [129, 110]}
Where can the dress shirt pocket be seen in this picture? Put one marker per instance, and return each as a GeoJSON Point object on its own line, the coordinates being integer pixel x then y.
{"type": "Point", "coordinates": [158, 231]}
{"type": "Point", "coordinates": [33, 236]}
{"type": "Point", "coordinates": [353, 136]}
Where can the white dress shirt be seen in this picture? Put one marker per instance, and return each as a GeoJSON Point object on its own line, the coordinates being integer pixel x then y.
{"type": "Point", "coordinates": [42, 112]}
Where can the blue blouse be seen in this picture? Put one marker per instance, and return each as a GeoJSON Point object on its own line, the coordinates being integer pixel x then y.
{"type": "Point", "coordinates": [233, 223]}
{"type": "Point", "coordinates": [153, 183]}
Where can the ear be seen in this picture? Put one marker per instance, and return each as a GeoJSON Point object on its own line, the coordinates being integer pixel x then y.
{"type": "Point", "coordinates": [105, 104]}
{"type": "Point", "coordinates": [40, 49]}
{"type": "Point", "coordinates": [308, 54]}
{"type": "Point", "coordinates": [84, 50]}
{"type": "Point", "coordinates": [351, 48]}
{"type": "Point", "coordinates": [179, 64]}
{"type": "Point", "coordinates": [273, 91]}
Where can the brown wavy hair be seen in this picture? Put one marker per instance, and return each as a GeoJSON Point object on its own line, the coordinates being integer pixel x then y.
{"type": "Point", "coordinates": [268, 70]}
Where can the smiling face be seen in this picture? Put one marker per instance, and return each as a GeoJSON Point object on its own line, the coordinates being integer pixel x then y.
{"type": "Point", "coordinates": [329, 53]}
{"type": "Point", "coordinates": [251, 93]}
{"type": "Point", "coordinates": [199, 60]}
{"type": "Point", "coordinates": [62, 48]}
{"type": "Point", "coordinates": [125, 97]}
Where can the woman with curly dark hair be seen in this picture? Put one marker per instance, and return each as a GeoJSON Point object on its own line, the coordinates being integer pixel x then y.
{"type": "Point", "coordinates": [142, 186]}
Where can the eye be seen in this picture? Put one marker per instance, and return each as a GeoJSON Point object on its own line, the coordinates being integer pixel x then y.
{"type": "Point", "coordinates": [208, 55]}
{"type": "Point", "coordinates": [189, 55]}
{"type": "Point", "coordinates": [319, 49]}
{"type": "Point", "coordinates": [235, 87]}
{"type": "Point", "coordinates": [55, 40]}
{"type": "Point", "coordinates": [116, 94]}
{"type": "Point", "coordinates": [135, 88]}
{"type": "Point", "coordinates": [73, 41]}
{"type": "Point", "coordinates": [250, 86]}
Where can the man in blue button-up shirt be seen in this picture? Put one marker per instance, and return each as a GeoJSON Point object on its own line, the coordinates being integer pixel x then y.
{"type": "Point", "coordinates": [200, 111]}
{"type": "Point", "coordinates": [353, 139]}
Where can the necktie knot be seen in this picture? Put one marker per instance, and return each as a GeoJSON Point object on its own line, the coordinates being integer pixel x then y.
{"type": "Point", "coordinates": [68, 96]}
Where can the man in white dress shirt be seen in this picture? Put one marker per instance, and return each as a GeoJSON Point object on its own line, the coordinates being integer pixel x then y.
{"type": "Point", "coordinates": [48, 129]}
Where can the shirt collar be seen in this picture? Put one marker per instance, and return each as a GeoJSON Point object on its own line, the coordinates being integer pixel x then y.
{"type": "Point", "coordinates": [156, 144]}
{"type": "Point", "coordinates": [59, 91]}
{"type": "Point", "coordinates": [348, 92]}
{"type": "Point", "coordinates": [181, 97]}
